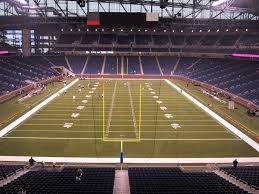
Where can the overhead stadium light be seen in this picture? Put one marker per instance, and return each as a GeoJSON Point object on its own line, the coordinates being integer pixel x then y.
{"type": "Point", "coordinates": [22, 2]}
{"type": "Point", "coordinates": [218, 2]}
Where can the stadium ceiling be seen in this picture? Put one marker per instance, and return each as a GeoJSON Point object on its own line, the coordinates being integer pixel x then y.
{"type": "Point", "coordinates": [193, 9]}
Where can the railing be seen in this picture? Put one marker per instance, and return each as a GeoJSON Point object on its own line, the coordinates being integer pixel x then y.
{"type": "Point", "coordinates": [27, 88]}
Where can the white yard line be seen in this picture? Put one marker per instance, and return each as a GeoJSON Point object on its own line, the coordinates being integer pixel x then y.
{"type": "Point", "coordinates": [229, 126]}
{"type": "Point", "coordinates": [132, 110]}
{"type": "Point", "coordinates": [42, 114]}
{"type": "Point", "coordinates": [142, 139]}
{"type": "Point", "coordinates": [111, 108]}
{"type": "Point", "coordinates": [118, 120]}
{"type": "Point", "coordinates": [83, 125]}
{"type": "Point", "coordinates": [115, 111]}
{"type": "Point", "coordinates": [91, 131]}
{"type": "Point", "coordinates": [35, 109]}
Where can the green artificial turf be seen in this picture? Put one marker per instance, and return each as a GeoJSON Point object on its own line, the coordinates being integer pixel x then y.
{"type": "Point", "coordinates": [44, 134]}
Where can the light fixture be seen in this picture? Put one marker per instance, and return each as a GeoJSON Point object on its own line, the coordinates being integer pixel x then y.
{"type": "Point", "coordinates": [96, 30]}
{"type": "Point", "coordinates": [139, 30]}
{"type": "Point", "coordinates": [236, 30]}
{"type": "Point", "coordinates": [226, 30]}
{"type": "Point", "coordinates": [62, 29]}
{"type": "Point", "coordinates": [79, 29]}
{"type": "Point", "coordinates": [145, 30]}
{"type": "Point", "coordinates": [200, 30]}
{"type": "Point", "coordinates": [219, 2]}
{"type": "Point", "coordinates": [22, 2]}
{"type": "Point", "coordinates": [217, 30]}
{"type": "Point", "coordinates": [173, 31]}
{"type": "Point", "coordinates": [131, 30]}
{"type": "Point", "coordinates": [71, 29]}
{"type": "Point", "coordinates": [154, 30]}
{"type": "Point", "coordinates": [246, 30]}
{"type": "Point", "coordinates": [103, 30]}
{"type": "Point", "coordinates": [208, 30]}
{"type": "Point", "coordinates": [164, 30]}
{"type": "Point", "coordinates": [181, 30]}
{"type": "Point", "coordinates": [113, 30]}
{"type": "Point", "coordinates": [87, 30]}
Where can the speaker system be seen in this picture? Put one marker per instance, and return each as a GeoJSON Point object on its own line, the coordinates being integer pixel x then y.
{"type": "Point", "coordinates": [163, 4]}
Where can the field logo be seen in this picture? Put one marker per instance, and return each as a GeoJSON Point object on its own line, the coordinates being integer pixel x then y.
{"type": "Point", "coordinates": [175, 125]}
{"type": "Point", "coordinates": [80, 107]}
{"type": "Point", "coordinates": [75, 115]}
{"type": "Point", "coordinates": [68, 125]}
{"type": "Point", "coordinates": [169, 116]}
{"type": "Point", "coordinates": [163, 108]}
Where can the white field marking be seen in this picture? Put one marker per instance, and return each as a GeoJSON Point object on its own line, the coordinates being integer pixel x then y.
{"type": "Point", "coordinates": [132, 160]}
{"type": "Point", "coordinates": [142, 139]}
{"type": "Point", "coordinates": [132, 110]}
{"type": "Point", "coordinates": [175, 125]}
{"type": "Point", "coordinates": [121, 115]}
{"type": "Point", "coordinates": [229, 126]}
{"type": "Point", "coordinates": [42, 114]}
{"type": "Point", "coordinates": [73, 115]}
{"type": "Point", "coordinates": [116, 111]}
{"type": "Point", "coordinates": [165, 120]}
{"type": "Point", "coordinates": [35, 109]}
{"type": "Point", "coordinates": [91, 131]}
{"type": "Point", "coordinates": [111, 108]}
{"type": "Point", "coordinates": [163, 108]}
{"type": "Point", "coordinates": [47, 124]}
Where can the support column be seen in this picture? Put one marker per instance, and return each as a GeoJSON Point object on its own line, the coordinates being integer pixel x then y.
{"type": "Point", "coordinates": [26, 42]}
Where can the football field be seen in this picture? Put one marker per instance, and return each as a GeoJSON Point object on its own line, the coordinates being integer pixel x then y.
{"type": "Point", "coordinates": [144, 118]}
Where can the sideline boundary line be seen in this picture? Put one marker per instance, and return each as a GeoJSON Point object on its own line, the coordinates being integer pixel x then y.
{"type": "Point", "coordinates": [18, 121]}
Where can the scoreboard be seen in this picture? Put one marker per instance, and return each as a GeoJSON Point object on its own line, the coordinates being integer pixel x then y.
{"type": "Point", "coordinates": [117, 18]}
